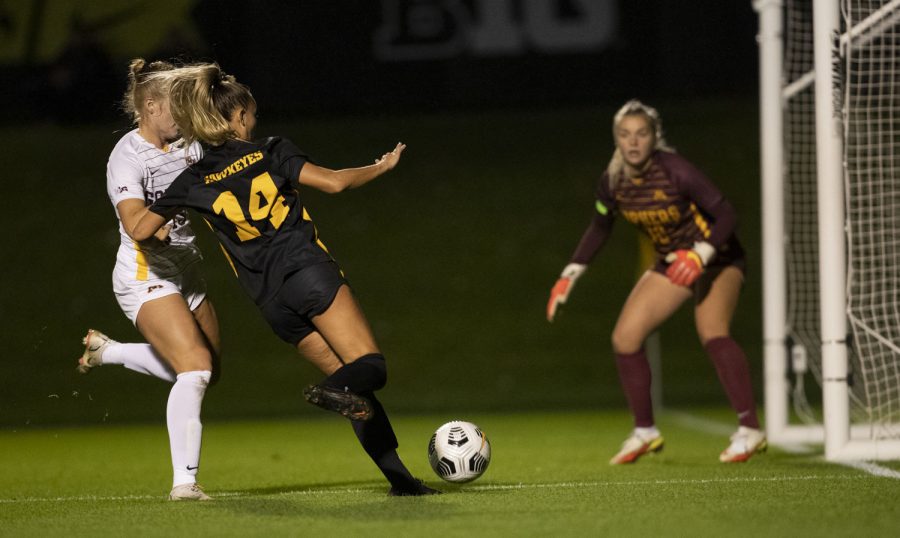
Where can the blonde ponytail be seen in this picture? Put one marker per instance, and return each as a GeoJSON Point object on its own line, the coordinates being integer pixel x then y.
{"type": "Point", "coordinates": [202, 99]}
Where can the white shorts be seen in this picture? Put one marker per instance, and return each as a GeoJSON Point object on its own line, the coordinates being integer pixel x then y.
{"type": "Point", "coordinates": [132, 294]}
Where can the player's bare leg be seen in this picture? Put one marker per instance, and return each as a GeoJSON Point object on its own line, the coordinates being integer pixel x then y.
{"type": "Point", "coordinates": [345, 328]}
{"type": "Point", "coordinates": [375, 434]}
{"type": "Point", "coordinates": [208, 322]}
{"type": "Point", "coordinates": [652, 301]}
{"type": "Point", "coordinates": [713, 318]}
{"type": "Point", "coordinates": [169, 326]}
{"type": "Point", "coordinates": [317, 351]}
{"type": "Point", "coordinates": [322, 356]}
{"type": "Point", "coordinates": [714, 314]}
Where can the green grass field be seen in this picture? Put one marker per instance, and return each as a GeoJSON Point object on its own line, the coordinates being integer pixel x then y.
{"type": "Point", "coordinates": [452, 257]}
{"type": "Point", "coordinates": [549, 477]}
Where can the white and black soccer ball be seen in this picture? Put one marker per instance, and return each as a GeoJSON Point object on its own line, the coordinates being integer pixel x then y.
{"type": "Point", "coordinates": [459, 451]}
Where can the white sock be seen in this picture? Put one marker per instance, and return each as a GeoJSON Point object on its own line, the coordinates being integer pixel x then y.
{"type": "Point", "coordinates": [183, 420]}
{"type": "Point", "coordinates": [140, 358]}
{"type": "Point", "coordinates": [647, 433]}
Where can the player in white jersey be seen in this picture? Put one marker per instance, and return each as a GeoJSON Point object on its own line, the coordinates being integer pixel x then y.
{"type": "Point", "coordinates": [157, 282]}
{"type": "Point", "coordinates": [140, 171]}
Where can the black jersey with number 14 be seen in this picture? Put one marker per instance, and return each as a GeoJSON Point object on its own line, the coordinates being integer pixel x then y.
{"type": "Point", "coordinates": [248, 193]}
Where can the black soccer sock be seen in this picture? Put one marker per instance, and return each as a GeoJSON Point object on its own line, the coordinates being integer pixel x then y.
{"type": "Point", "coordinates": [380, 443]}
{"type": "Point", "coordinates": [366, 374]}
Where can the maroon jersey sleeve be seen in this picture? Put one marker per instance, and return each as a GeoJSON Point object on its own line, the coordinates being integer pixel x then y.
{"type": "Point", "coordinates": [600, 226]}
{"type": "Point", "coordinates": [695, 186]}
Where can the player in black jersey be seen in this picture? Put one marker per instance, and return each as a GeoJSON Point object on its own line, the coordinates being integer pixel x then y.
{"type": "Point", "coordinates": [249, 193]}
{"type": "Point", "coordinates": [691, 225]}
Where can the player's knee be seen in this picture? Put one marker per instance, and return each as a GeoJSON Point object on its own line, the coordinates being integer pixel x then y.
{"type": "Point", "coordinates": [624, 341]}
{"type": "Point", "coordinates": [197, 358]}
{"type": "Point", "coordinates": [377, 367]}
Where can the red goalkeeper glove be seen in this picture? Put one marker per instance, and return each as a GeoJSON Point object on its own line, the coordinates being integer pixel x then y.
{"type": "Point", "coordinates": [686, 266]}
{"type": "Point", "coordinates": [560, 292]}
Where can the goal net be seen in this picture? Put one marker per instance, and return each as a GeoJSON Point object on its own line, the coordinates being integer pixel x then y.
{"type": "Point", "coordinates": [872, 156]}
{"type": "Point", "coordinates": [863, 86]}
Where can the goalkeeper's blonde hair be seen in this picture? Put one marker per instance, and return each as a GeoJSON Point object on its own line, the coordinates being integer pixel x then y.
{"type": "Point", "coordinates": [202, 98]}
{"type": "Point", "coordinates": [616, 167]}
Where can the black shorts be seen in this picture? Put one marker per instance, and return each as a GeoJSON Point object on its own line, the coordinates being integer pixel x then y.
{"type": "Point", "coordinates": [732, 258]}
{"type": "Point", "coordinates": [304, 295]}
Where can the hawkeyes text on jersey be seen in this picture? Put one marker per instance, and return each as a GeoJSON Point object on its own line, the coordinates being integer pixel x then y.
{"type": "Point", "coordinates": [248, 193]}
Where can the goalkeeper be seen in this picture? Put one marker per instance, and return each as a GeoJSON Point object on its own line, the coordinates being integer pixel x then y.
{"type": "Point", "coordinates": [691, 225]}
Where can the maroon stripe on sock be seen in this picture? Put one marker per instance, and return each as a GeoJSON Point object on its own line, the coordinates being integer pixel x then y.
{"type": "Point", "coordinates": [634, 373]}
{"type": "Point", "coordinates": [734, 374]}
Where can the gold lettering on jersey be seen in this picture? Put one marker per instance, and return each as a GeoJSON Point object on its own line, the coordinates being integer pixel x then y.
{"type": "Point", "coordinates": [234, 167]}
{"type": "Point", "coordinates": [650, 217]}
{"type": "Point", "coordinates": [701, 222]}
{"type": "Point", "coordinates": [654, 221]}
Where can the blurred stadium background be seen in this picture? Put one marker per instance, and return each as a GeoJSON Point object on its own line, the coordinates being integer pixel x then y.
{"type": "Point", "coordinates": [505, 106]}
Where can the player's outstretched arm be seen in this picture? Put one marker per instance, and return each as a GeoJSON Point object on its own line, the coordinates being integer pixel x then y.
{"type": "Point", "coordinates": [333, 181]}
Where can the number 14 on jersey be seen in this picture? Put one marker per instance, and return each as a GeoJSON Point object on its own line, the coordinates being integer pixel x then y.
{"type": "Point", "coordinates": [265, 202]}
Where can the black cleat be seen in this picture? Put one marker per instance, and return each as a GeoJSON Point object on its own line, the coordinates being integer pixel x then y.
{"type": "Point", "coordinates": [348, 404]}
{"type": "Point", "coordinates": [413, 489]}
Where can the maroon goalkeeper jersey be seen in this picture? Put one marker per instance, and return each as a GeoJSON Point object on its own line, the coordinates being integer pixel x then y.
{"type": "Point", "coordinates": [673, 202]}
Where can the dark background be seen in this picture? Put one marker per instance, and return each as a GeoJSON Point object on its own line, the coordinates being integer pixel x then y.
{"type": "Point", "coordinates": [452, 255]}
{"type": "Point", "coordinates": [362, 56]}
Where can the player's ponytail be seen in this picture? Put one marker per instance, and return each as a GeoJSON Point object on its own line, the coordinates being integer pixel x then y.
{"type": "Point", "coordinates": [143, 82]}
{"type": "Point", "coordinates": [203, 98]}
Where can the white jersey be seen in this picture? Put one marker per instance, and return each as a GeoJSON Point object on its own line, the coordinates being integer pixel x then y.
{"type": "Point", "coordinates": [137, 169]}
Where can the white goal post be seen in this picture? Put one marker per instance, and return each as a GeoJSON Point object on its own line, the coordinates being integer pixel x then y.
{"type": "Point", "coordinates": [830, 150]}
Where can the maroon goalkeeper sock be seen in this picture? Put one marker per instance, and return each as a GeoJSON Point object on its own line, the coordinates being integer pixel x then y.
{"type": "Point", "coordinates": [734, 374]}
{"type": "Point", "coordinates": [634, 373]}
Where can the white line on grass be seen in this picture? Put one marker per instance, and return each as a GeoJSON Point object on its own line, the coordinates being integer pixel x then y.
{"type": "Point", "coordinates": [700, 424]}
{"type": "Point", "coordinates": [485, 487]}
{"type": "Point", "coordinates": [873, 469]}
{"type": "Point", "coordinates": [715, 427]}
{"type": "Point", "coordinates": [720, 428]}
{"type": "Point", "coordinates": [678, 481]}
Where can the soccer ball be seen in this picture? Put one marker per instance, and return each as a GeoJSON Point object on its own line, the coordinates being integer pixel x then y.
{"type": "Point", "coordinates": [459, 451]}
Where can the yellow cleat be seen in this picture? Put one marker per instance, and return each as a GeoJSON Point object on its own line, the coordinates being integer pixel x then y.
{"type": "Point", "coordinates": [636, 446]}
{"type": "Point", "coordinates": [744, 444]}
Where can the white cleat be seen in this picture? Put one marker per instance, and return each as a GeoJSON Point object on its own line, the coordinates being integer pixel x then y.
{"type": "Point", "coordinates": [188, 492]}
{"type": "Point", "coordinates": [745, 442]}
{"type": "Point", "coordinates": [636, 446]}
{"type": "Point", "coordinates": [95, 342]}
